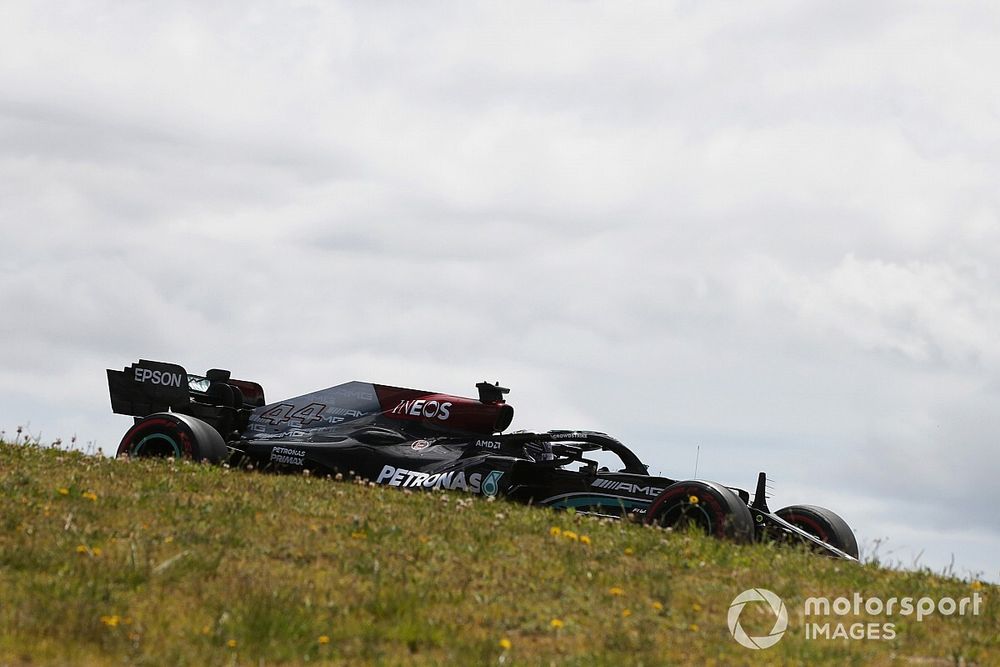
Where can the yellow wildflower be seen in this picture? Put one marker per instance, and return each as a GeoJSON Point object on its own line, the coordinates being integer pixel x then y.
{"type": "Point", "coordinates": [616, 590]}
{"type": "Point", "coordinates": [693, 627]}
{"type": "Point", "coordinates": [505, 644]}
{"type": "Point", "coordinates": [323, 639]}
{"type": "Point", "coordinates": [976, 585]}
{"type": "Point", "coordinates": [584, 539]}
{"type": "Point", "coordinates": [556, 623]}
{"type": "Point", "coordinates": [570, 535]}
{"type": "Point", "coordinates": [95, 552]}
{"type": "Point", "coordinates": [90, 495]}
{"type": "Point", "coordinates": [231, 643]}
{"type": "Point", "coordinates": [110, 621]}
{"type": "Point", "coordinates": [696, 607]}
{"type": "Point", "coordinates": [658, 606]}
{"type": "Point", "coordinates": [206, 630]}
{"type": "Point", "coordinates": [629, 551]}
{"type": "Point", "coordinates": [81, 549]}
{"type": "Point", "coordinates": [359, 535]}
{"type": "Point", "coordinates": [63, 491]}
{"type": "Point", "coordinates": [626, 613]}
{"type": "Point", "coordinates": [554, 531]}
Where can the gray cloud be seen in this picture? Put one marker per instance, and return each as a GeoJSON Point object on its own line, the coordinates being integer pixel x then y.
{"type": "Point", "coordinates": [767, 231]}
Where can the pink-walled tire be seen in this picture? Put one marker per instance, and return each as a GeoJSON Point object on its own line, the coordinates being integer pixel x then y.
{"type": "Point", "coordinates": [169, 434]}
{"type": "Point", "coordinates": [822, 523]}
{"type": "Point", "coordinates": [708, 505]}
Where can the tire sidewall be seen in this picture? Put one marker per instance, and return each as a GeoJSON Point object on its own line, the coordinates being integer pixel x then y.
{"type": "Point", "coordinates": [822, 523]}
{"type": "Point", "coordinates": [191, 437]}
{"type": "Point", "coordinates": [163, 424]}
{"type": "Point", "coordinates": [728, 515]}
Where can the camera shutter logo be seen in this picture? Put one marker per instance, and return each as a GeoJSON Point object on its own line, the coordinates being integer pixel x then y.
{"type": "Point", "coordinates": [780, 618]}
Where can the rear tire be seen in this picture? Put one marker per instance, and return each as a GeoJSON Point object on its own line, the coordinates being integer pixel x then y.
{"type": "Point", "coordinates": [173, 435]}
{"type": "Point", "coordinates": [710, 506]}
{"type": "Point", "coordinates": [822, 523]}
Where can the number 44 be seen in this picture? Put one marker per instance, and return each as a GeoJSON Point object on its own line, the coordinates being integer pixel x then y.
{"type": "Point", "coordinates": [286, 412]}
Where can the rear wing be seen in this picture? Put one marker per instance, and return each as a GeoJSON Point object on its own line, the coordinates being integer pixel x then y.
{"type": "Point", "coordinates": [147, 386]}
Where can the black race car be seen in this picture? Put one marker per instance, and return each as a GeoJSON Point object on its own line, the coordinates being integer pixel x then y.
{"type": "Point", "coordinates": [424, 440]}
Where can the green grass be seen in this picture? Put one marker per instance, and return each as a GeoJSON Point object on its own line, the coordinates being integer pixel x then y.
{"type": "Point", "coordinates": [159, 562]}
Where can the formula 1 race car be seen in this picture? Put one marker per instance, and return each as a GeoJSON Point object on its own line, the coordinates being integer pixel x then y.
{"type": "Point", "coordinates": [424, 440]}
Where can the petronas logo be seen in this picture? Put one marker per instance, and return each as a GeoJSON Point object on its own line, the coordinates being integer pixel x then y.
{"type": "Point", "coordinates": [491, 484]}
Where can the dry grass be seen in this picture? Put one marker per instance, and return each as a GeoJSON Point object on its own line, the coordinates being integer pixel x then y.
{"type": "Point", "coordinates": [160, 562]}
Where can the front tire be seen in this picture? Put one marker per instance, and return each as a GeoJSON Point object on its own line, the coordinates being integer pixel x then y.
{"type": "Point", "coordinates": [822, 523]}
{"type": "Point", "coordinates": [169, 434]}
{"type": "Point", "coordinates": [708, 505]}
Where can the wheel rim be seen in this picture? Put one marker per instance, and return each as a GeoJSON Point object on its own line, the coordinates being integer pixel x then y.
{"type": "Point", "coordinates": [686, 513]}
{"type": "Point", "coordinates": [157, 445]}
{"type": "Point", "coordinates": [809, 525]}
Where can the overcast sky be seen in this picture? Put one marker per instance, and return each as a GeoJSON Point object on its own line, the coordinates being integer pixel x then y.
{"type": "Point", "coordinates": [769, 230]}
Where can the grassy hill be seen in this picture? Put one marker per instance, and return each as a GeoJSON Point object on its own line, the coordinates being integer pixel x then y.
{"type": "Point", "coordinates": [160, 562]}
